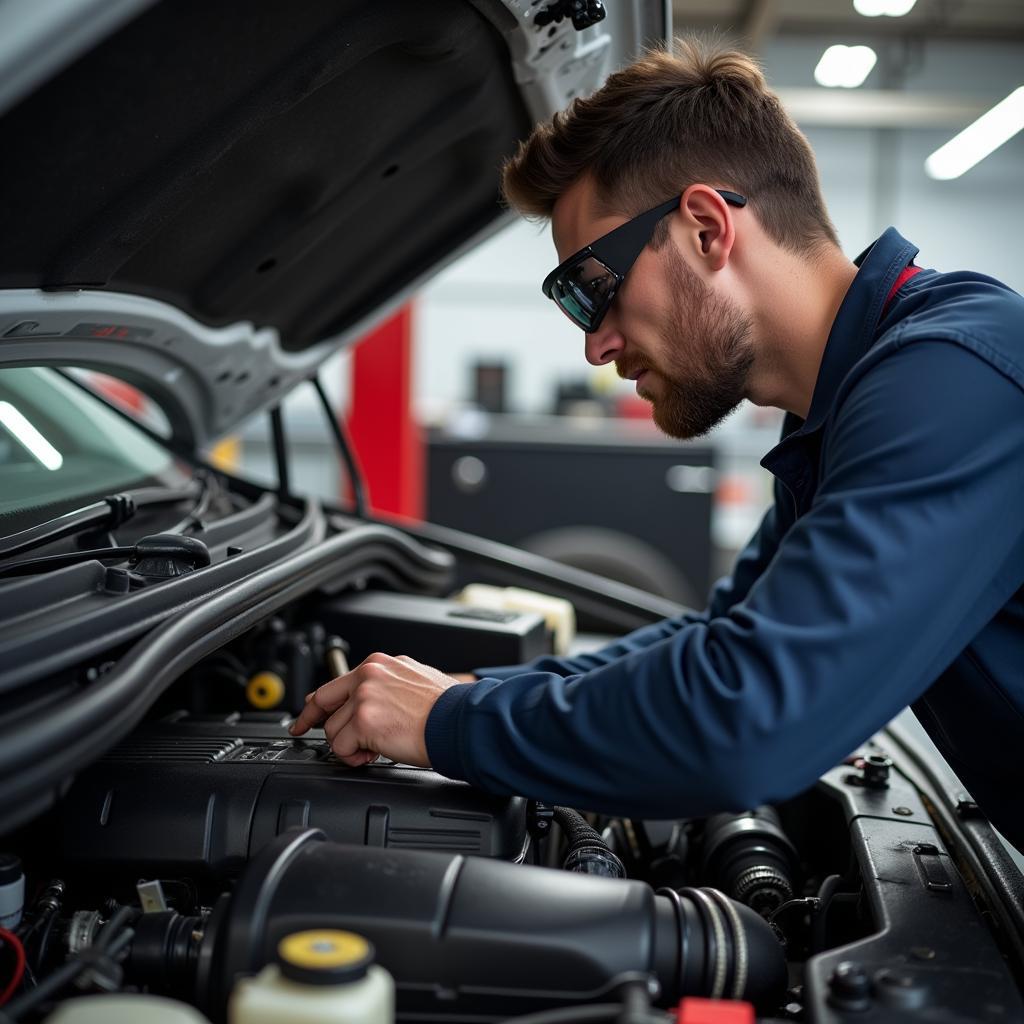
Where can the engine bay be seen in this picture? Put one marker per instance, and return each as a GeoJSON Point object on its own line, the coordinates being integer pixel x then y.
{"type": "Point", "coordinates": [179, 861]}
{"type": "Point", "coordinates": [165, 838]}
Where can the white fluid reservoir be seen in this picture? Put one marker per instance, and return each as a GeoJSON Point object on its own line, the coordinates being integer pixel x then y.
{"type": "Point", "coordinates": [320, 977]}
{"type": "Point", "coordinates": [125, 1009]}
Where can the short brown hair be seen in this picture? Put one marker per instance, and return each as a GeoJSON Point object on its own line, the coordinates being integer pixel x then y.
{"type": "Point", "coordinates": [698, 114]}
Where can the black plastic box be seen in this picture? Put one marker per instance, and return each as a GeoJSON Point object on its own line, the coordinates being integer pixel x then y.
{"type": "Point", "coordinates": [437, 632]}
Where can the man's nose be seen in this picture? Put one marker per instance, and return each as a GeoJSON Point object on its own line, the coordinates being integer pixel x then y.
{"type": "Point", "coordinates": [604, 345]}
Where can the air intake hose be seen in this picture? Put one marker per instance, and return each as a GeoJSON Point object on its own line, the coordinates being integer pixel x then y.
{"type": "Point", "coordinates": [472, 937]}
{"type": "Point", "coordinates": [750, 858]}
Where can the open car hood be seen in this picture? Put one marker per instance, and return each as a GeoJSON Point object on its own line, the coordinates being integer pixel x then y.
{"type": "Point", "coordinates": [209, 199]}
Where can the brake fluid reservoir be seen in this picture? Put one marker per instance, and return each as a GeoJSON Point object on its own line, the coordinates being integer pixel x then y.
{"type": "Point", "coordinates": [321, 977]}
{"type": "Point", "coordinates": [123, 1008]}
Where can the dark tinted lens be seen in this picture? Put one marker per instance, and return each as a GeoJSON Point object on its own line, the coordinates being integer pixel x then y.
{"type": "Point", "coordinates": [584, 291]}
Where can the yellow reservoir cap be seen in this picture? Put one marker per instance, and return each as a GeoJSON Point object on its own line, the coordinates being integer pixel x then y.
{"type": "Point", "coordinates": [265, 690]}
{"type": "Point", "coordinates": [324, 956]}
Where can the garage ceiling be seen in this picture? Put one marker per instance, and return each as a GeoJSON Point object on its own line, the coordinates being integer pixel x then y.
{"type": "Point", "coordinates": [757, 20]}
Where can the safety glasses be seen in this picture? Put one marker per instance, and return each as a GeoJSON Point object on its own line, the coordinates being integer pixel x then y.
{"type": "Point", "coordinates": [584, 285]}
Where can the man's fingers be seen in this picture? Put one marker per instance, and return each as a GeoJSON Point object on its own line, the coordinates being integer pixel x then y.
{"type": "Point", "coordinates": [323, 702]}
{"type": "Point", "coordinates": [380, 707]}
{"type": "Point", "coordinates": [311, 716]}
{"type": "Point", "coordinates": [359, 758]}
{"type": "Point", "coordinates": [337, 722]}
{"type": "Point", "coordinates": [345, 740]}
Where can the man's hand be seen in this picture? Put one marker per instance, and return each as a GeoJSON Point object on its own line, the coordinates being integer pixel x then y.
{"type": "Point", "coordinates": [380, 707]}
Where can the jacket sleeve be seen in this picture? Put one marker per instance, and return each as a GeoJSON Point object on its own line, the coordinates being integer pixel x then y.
{"type": "Point", "coordinates": [750, 563]}
{"type": "Point", "coordinates": [906, 552]}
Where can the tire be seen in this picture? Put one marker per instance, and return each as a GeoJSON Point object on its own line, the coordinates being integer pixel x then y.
{"type": "Point", "coordinates": [615, 555]}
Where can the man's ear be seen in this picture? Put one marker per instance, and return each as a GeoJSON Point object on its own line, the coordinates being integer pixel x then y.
{"type": "Point", "coordinates": [708, 222]}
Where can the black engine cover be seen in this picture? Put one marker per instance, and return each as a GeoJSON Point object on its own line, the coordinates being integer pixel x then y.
{"type": "Point", "coordinates": [202, 794]}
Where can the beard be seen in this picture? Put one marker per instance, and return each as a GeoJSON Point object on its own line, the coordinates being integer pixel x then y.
{"type": "Point", "coordinates": [707, 355]}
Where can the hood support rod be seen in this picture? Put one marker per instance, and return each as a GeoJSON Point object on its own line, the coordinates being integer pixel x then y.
{"type": "Point", "coordinates": [341, 438]}
{"type": "Point", "coordinates": [280, 451]}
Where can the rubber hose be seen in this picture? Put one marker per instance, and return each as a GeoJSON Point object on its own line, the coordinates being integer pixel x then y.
{"type": "Point", "coordinates": [588, 853]}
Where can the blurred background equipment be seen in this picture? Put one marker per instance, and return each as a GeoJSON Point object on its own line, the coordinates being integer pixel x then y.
{"type": "Point", "coordinates": [627, 504]}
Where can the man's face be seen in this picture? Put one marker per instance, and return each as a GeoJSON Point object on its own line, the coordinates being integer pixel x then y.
{"type": "Point", "coordinates": [689, 349]}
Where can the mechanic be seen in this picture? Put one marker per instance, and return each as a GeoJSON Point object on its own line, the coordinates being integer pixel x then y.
{"type": "Point", "coordinates": [698, 256]}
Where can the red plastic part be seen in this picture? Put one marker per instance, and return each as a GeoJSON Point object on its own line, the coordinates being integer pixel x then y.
{"type": "Point", "coordinates": [714, 1011]}
{"type": "Point", "coordinates": [387, 440]}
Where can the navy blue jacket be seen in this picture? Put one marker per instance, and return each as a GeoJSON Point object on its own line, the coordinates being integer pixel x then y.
{"type": "Point", "coordinates": [888, 572]}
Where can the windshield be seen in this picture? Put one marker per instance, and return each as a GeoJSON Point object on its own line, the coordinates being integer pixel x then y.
{"type": "Point", "coordinates": [61, 445]}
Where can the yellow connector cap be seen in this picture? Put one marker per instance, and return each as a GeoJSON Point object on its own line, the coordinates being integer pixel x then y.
{"type": "Point", "coordinates": [265, 690]}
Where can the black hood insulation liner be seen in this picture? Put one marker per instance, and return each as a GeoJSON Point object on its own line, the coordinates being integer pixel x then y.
{"type": "Point", "coordinates": [285, 164]}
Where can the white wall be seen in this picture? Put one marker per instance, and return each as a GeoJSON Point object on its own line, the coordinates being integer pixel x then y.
{"type": "Point", "coordinates": [489, 306]}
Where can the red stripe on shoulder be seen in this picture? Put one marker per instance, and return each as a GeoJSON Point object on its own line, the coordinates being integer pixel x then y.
{"type": "Point", "coordinates": [905, 275]}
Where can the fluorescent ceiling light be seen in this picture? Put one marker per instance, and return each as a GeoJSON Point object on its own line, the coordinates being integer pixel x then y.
{"type": "Point", "coordinates": [844, 67]}
{"type": "Point", "coordinates": [977, 140]}
{"type": "Point", "coordinates": [30, 438]}
{"type": "Point", "coordinates": [888, 8]}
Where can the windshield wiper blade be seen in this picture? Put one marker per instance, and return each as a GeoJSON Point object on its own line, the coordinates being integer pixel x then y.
{"type": "Point", "coordinates": [33, 565]}
{"type": "Point", "coordinates": [109, 513]}
{"type": "Point", "coordinates": [161, 554]}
